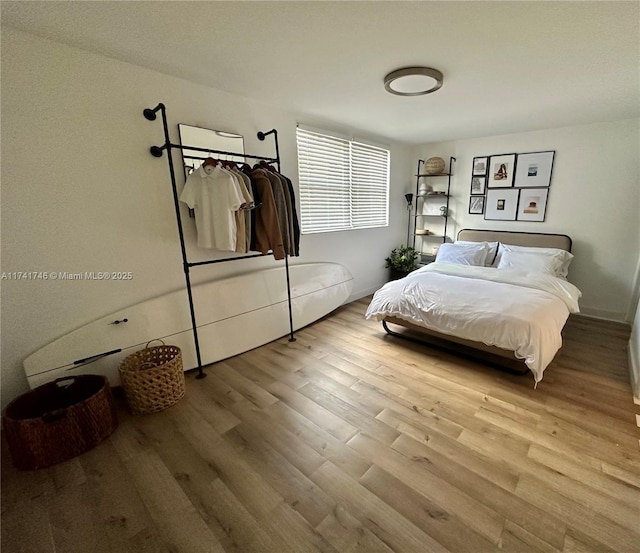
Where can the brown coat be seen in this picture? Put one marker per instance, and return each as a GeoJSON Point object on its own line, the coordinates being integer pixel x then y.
{"type": "Point", "coordinates": [267, 228]}
{"type": "Point", "coordinates": [281, 207]}
{"type": "Point", "coordinates": [290, 232]}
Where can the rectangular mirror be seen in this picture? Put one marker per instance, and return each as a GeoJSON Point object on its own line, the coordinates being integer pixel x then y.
{"type": "Point", "coordinates": [210, 139]}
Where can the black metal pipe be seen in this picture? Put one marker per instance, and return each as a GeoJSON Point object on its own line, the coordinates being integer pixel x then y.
{"type": "Point", "coordinates": [271, 159]}
{"type": "Point", "coordinates": [150, 114]}
{"type": "Point", "coordinates": [183, 248]}
{"type": "Point", "coordinates": [156, 151]}
{"type": "Point", "coordinates": [223, 152]}
{"type": "Point", "coordinates": [210, 151]}
{"type": "Point", "coordinates": [286, 268]}
{"type": "Point", "coordinates": [274, 132]}
{"type": "Point", "coordinates": [261, 136]}
{"type": "Point", "coordinates": [212, 261]}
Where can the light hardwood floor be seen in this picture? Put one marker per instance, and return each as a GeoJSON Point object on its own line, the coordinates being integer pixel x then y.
{"type": "Point", "coordinates": [349, 440]}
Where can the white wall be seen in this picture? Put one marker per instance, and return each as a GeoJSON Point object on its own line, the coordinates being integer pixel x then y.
{"type": "Point", "coordinates": [594, 198]}
{"type": "Point", "coordinates": [80, 191]}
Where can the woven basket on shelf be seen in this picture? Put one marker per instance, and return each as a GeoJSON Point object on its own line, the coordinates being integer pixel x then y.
{"type": "Point", "coordinates": [59, 420]}
{"type": "Point", "coordinates": [152, 378]}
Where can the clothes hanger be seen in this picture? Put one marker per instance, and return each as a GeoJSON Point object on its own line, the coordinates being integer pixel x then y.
{"type": "Point", "coordinates": [265, 165]}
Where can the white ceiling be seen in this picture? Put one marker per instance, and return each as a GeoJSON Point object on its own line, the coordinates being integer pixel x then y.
{"type": "Point", "coordinates": [508, 66]}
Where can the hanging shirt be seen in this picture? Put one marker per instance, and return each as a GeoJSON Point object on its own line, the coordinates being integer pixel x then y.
{"type": "Point", "coordinates": [239, 216]}
{"type": "Point", "coordinates": [249, 204]}
{"type": "Point", "coordinates": [214, 196]}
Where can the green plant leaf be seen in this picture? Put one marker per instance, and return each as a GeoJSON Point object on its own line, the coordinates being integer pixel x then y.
{"type": "Point", "coordinates": [402, 259]}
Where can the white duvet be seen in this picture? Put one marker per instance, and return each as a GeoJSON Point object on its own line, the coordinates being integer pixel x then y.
{"type": "Point", "coordinates": [514, 310]}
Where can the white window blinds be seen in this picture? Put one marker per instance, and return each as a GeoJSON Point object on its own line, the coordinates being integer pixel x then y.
{"type": "Point", "coordinates": [343, 184]}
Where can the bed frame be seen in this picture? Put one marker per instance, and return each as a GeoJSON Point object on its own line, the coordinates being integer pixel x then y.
{"type": "Point", "coordinates": [477, 350]}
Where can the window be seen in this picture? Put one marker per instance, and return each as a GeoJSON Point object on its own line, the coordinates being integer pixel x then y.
{"type": "Point", "coordinates": [343, 184]}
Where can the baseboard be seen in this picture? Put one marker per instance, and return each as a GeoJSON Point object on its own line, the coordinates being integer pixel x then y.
{"type": "Point", "coordinates": [634, 372]}
{"type": "Point", "coordinates": [356, 295]}
{"type": "Point", "coordinates": [604, 315]}
{"type": "Point", "coordinates": [612, 322]}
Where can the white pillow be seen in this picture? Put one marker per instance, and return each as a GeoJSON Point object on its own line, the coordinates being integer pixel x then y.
{"type": "Point", "coordinates": [492, 250]}
{"type": "Point", "coordinates": [473, 253]}
{"type": "Point", "coordinates": [561, 258]}
{"type": "Point", "coordinates": [530, 262]}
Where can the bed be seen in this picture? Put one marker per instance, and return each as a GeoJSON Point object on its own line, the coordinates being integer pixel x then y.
{"type": "Point", "coordinates": [505, 303]}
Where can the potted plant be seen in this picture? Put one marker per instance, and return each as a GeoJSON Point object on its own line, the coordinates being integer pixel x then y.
{"type": "Point", "coordinates": [402, 261]}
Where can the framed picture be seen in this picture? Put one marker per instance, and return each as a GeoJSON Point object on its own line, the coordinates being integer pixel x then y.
{"type": "Point", "coordinates": [501, 170]}
{"type": "Point", "coordinates": [479, 166]}
{"type": "Point", "coordinates": [501, 204]}
{"type": "Point", "coordinates": [533, 204]}
{"type": "Point", "coordinates": [477, 185]}
{"type": "Point", "coordinates": [476, 205]}
{"type": "Point", "coordinates": [534, 170]}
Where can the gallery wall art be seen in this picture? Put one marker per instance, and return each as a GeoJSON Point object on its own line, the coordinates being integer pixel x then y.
{"type": "Point", "coordinates": [511, 187]}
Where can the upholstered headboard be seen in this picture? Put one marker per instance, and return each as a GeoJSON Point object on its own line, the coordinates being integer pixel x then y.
{"type": "Point", "coordinates": [533, 239]}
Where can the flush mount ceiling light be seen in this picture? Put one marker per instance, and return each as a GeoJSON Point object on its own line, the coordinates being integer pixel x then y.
{"type": "Point", "coordinates": [413, 81]}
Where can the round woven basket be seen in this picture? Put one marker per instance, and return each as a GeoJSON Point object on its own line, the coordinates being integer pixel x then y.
{"type": "Point", "coordinates": [434, 165]}
{"type": "Point", "coordinates": [152, 378]}
{"type": "Point", "coordinates": [59, 420]}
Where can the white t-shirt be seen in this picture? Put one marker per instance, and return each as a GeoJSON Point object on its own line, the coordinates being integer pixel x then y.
{"type": "Point", "coordinates": [214, 196]}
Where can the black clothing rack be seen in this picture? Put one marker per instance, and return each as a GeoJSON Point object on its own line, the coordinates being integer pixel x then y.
{"type": "Point", "coordinates": [157, 151]}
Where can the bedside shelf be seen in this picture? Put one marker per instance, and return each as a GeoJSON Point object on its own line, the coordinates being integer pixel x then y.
{"type": "Point", "coordinates": [431, 203]}
{"type": "Point", "coordinates": [426, 258]}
